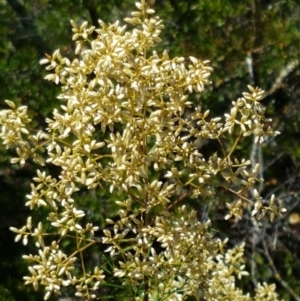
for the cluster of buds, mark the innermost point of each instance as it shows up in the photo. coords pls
(123, 128)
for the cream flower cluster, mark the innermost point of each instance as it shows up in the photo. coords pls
(123, 127)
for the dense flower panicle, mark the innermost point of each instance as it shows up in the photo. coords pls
(123, 127)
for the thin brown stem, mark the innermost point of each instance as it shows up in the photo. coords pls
(237, 194)
(183, 196)
(79, 250)
(276, 273)
(222, 147)
(78, 243)
(136, 199)
(235, 145)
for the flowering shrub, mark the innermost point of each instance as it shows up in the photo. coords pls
(124, 129)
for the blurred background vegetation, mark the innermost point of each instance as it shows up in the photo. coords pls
(253, 42)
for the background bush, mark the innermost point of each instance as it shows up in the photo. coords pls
(247, 42)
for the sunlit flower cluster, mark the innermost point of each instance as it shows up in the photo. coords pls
(123, 128)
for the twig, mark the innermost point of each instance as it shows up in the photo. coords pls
(136, 198)
(256, 155)
(273, 161)
(178, 200)
(272, 265)
(237, 194)
(285, 248)
(282, 75)
(253, 263)
(276, 273)
(280, 186)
